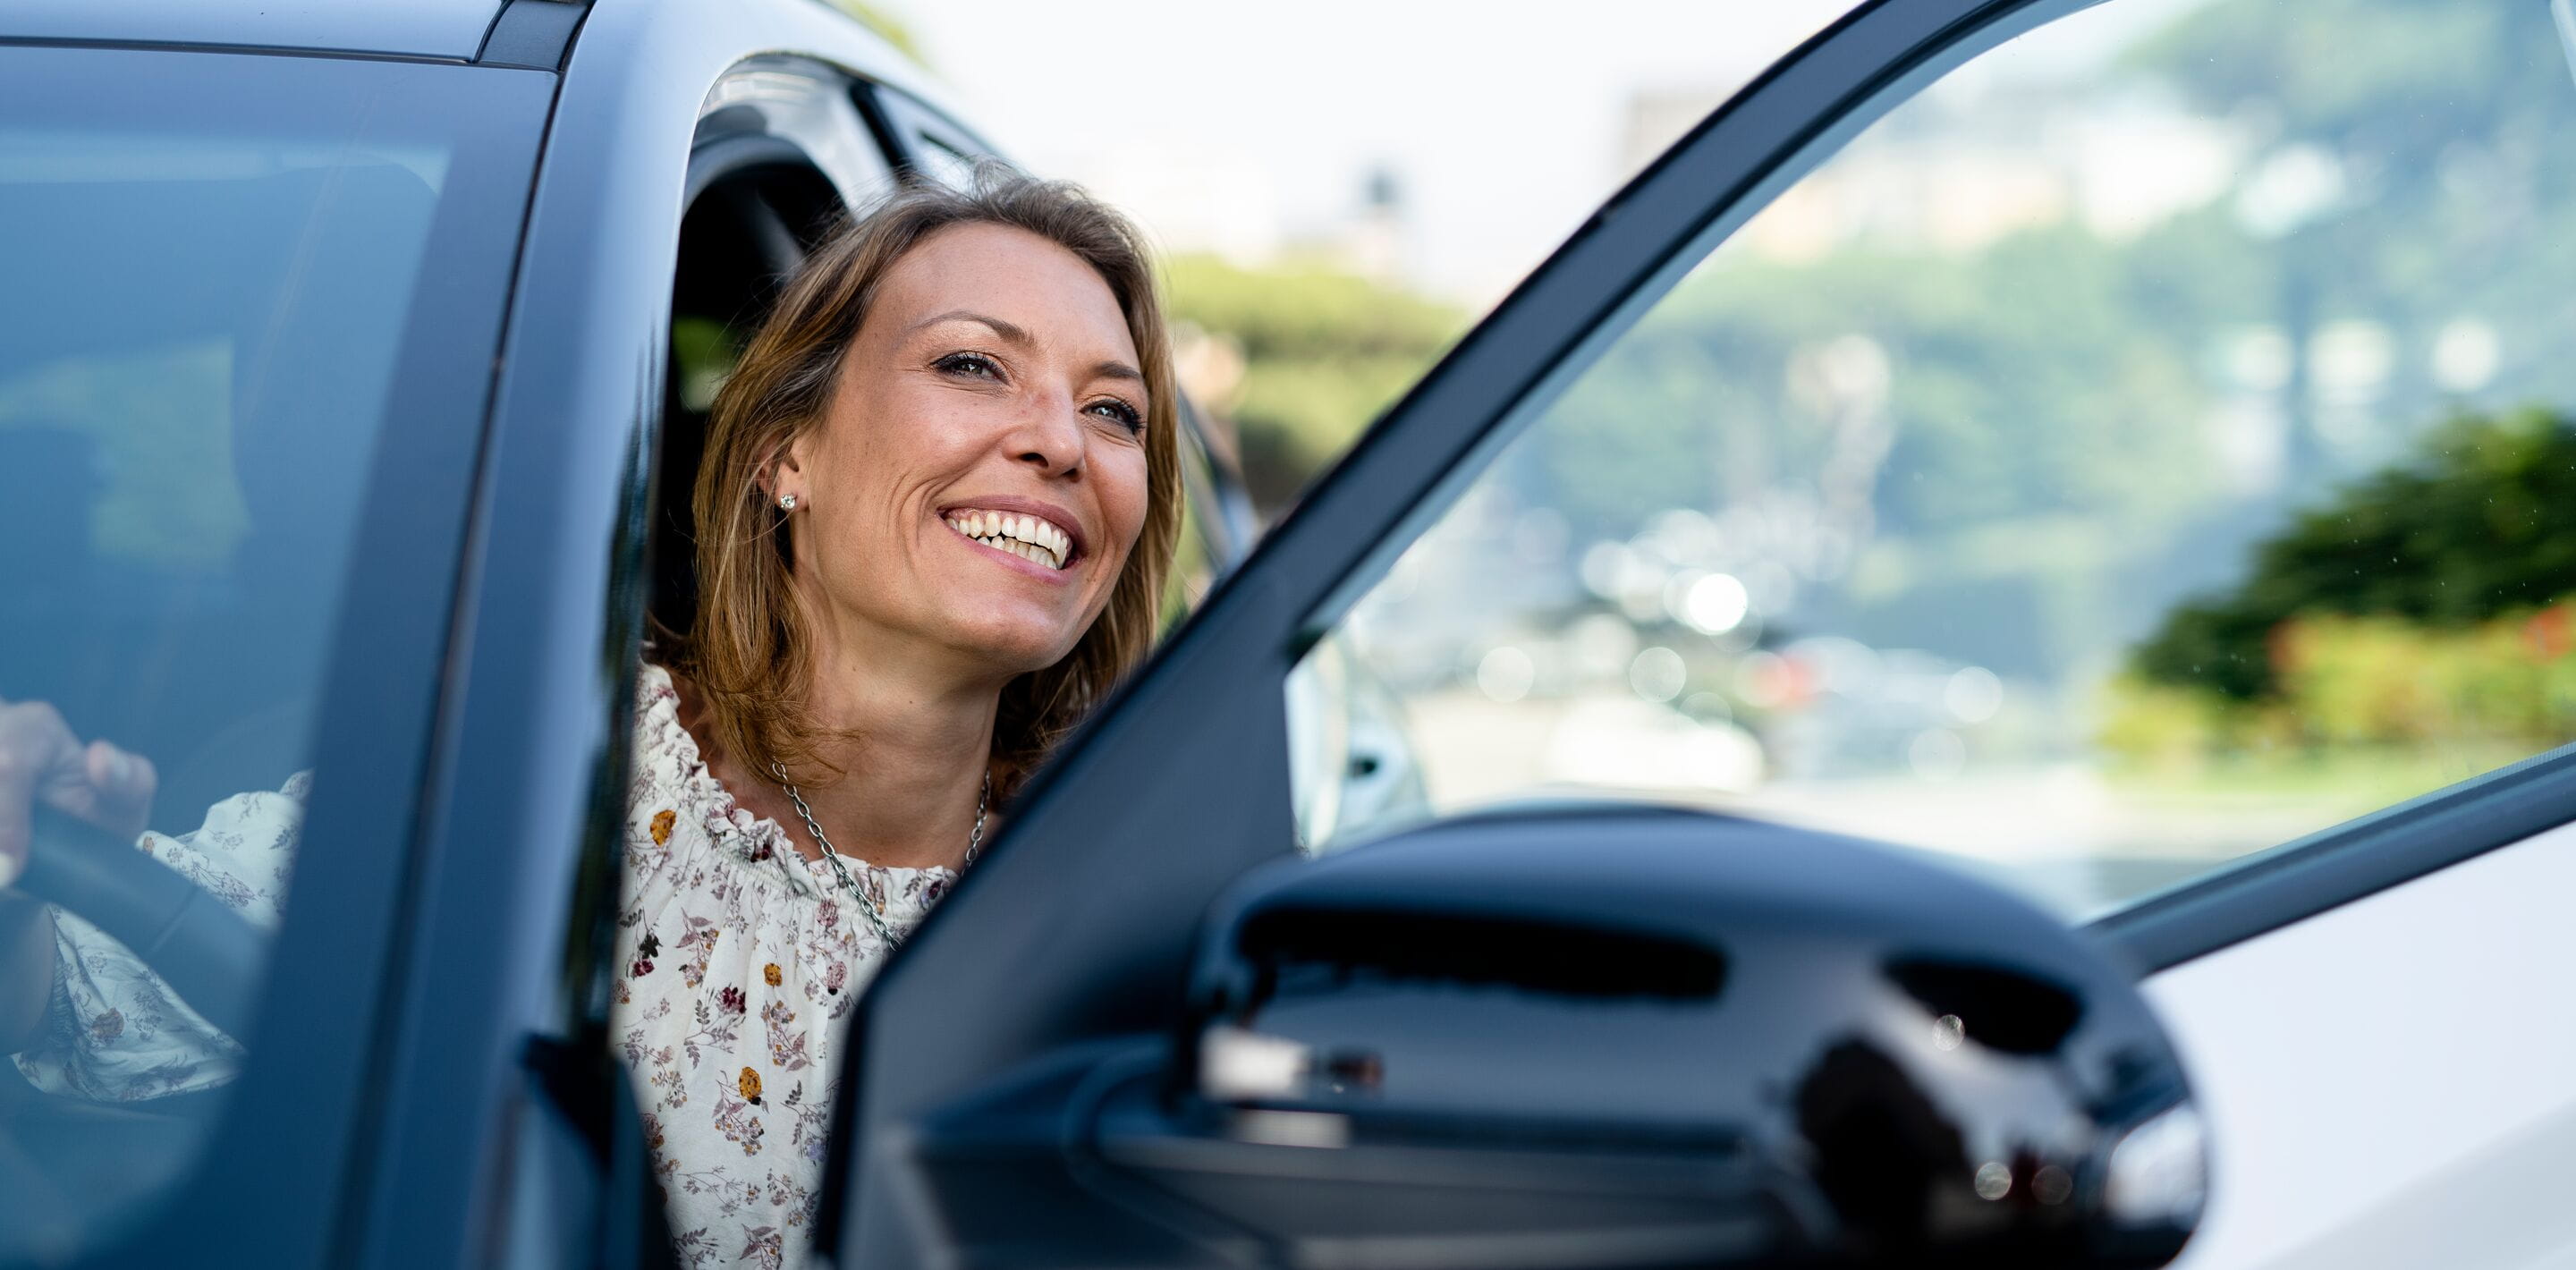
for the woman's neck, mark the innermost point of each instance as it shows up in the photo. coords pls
(912, 746)
(912, 753)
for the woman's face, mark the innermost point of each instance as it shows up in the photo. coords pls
(973, 493)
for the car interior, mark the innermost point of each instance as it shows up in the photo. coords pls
(747, 229)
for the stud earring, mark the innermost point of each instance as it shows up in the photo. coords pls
(787, 502)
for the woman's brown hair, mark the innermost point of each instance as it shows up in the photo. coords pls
(748, 650)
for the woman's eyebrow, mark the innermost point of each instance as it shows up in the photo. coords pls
(1006, 330)
(1111, 369)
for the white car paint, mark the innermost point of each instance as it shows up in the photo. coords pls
(2392, 1083)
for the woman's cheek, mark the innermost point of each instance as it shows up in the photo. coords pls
(1133, 493)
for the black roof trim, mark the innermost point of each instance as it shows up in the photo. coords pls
(533, 34)
(247, 50)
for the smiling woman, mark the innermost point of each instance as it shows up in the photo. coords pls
(1015, 333)
(939, 498)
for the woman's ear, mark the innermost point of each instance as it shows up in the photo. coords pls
(783, 472)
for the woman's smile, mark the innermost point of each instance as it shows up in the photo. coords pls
(1033, 533)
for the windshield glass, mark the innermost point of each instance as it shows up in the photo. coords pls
(2146, 446)
(212, 271)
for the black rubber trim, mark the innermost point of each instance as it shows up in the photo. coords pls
(733, 154)
(208, 46)
(532, 34)
(2326, 870)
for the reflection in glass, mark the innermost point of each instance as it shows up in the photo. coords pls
(210, 266)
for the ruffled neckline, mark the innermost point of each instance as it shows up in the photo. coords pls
(764, 837)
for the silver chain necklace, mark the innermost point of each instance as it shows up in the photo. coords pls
(874, 909)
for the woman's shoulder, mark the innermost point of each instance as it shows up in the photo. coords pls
(661, 725)
(666, 753)
(679, 811)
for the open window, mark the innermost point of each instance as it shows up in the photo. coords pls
(772, 173)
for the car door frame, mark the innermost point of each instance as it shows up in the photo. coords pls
(1194, 750)
(1076, 926)
(506, 937)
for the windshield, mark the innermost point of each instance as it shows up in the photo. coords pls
(220, 272)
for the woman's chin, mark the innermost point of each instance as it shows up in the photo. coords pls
(1016, 648)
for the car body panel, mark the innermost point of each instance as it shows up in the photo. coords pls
(411, 28)
(2387, 1083)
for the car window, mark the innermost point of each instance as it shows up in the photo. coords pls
(212, 267)
(927, 142)
(2146, 445)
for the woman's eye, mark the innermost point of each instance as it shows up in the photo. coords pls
(1122, 412)
(974, 364)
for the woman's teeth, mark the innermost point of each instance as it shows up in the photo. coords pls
(1030, 538)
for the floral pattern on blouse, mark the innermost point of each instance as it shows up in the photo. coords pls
(738, 963)
(114, 1031)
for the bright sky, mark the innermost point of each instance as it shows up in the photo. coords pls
(1234, 126)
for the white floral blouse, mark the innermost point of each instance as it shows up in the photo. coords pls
(738, 963)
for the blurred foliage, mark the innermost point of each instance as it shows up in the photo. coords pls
(2499, 689)
(893, 30)
(145, 443)
(2475, 528)
(1323, 353)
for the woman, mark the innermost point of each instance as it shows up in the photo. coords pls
(939, 497)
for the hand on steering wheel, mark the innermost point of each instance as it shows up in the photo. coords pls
(69, 817)
(42, 763)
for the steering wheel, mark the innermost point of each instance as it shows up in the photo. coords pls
(209, 954)
(67, 1162)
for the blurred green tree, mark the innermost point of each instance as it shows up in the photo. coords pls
(1323, 351)
(2474, 529)
(882, 20)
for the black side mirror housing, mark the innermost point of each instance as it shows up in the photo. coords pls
(1606, 1037)
(1656, 1036)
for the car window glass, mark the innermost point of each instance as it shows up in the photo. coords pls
(943, 162)
(210, 265)
(2147, 445)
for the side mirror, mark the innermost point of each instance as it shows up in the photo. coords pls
(1605, 1038)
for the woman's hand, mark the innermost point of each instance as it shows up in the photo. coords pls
(42, 762)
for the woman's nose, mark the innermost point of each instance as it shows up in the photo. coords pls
(1049, 436)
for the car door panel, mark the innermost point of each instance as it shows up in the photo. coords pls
(2388, 1081)
(1077, 923)
(1179, 781)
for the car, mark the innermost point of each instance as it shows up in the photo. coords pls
(358, 352)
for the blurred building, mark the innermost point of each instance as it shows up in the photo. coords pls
(1999, 159)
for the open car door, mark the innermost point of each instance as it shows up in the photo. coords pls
(1151, 1030)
